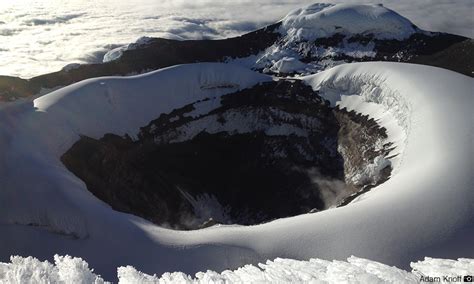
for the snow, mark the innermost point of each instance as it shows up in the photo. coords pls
(204, 107)
(116, 53)
(71, 66)
(425, 208)
(371, 173)
(436, 267)
(324, 20)
(65, 269)
(280, 270)
(82, 33)
(284, 58)
(206, 206)
(302, 27)
(237, 122)
(287, 65)
(372, 97)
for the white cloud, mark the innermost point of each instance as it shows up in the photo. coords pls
(42, 36)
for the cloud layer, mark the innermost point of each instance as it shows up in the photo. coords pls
(37, 37)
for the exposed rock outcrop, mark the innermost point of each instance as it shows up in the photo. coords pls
(270, 50)
(266, 152)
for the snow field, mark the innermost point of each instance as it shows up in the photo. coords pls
(424, 209)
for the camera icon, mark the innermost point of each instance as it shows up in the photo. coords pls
(467, 278)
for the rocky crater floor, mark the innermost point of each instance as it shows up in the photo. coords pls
(271, 151)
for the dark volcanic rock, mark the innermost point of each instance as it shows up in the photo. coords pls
(437, 49)
(12, 88)
(362, 144)
(267, 152)
(157, 53)
(457, 57)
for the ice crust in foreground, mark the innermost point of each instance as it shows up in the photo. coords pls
(425, 208)
(68, 269)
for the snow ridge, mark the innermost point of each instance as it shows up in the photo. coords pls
(47, 127)
(370, 95)
(431, 106)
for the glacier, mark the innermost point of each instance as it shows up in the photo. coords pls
(424, 209)
(419, 211)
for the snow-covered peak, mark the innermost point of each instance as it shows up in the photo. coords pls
(324, 20)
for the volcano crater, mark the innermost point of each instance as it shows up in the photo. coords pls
(270, 151)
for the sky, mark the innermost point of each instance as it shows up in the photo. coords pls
(41, 36)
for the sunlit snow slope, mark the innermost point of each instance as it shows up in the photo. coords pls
(424, 209)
